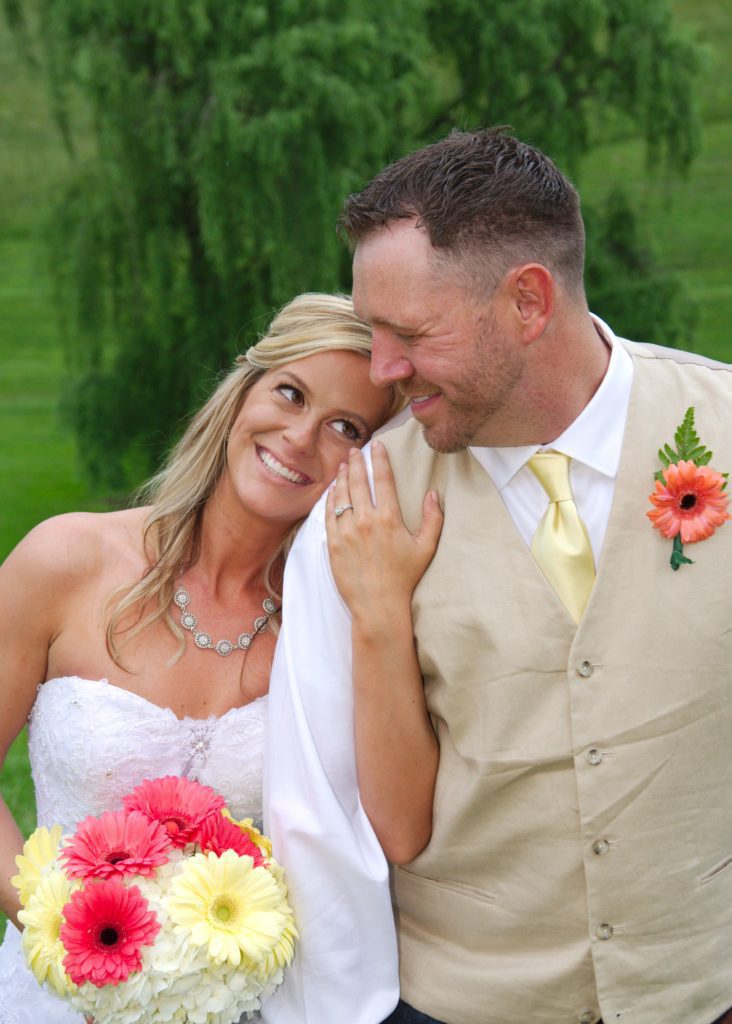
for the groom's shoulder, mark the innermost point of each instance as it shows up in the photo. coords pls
(408, 451)
(677, 356)
(683, 376)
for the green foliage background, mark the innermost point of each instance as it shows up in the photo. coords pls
(223, 137)
(410, 76)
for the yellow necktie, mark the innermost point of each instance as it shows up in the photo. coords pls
(561, 546)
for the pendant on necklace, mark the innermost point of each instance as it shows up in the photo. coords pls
(223, 647)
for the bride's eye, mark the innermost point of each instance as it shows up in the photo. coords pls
(350, 430)
(291, 393)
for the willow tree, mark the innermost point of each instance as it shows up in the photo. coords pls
(220, 138)
(568, 74)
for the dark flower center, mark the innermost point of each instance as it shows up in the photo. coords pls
(116, 856)
(688, 501)
(174, 825)
(109, 936)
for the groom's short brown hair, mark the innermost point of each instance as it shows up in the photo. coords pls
(487, 201)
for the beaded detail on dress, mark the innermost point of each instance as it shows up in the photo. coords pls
(90, 743)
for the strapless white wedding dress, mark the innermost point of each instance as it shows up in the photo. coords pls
(90, 743)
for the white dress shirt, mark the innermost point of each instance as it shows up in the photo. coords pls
(345, 967)
(594, 442)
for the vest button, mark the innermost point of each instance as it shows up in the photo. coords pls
(585, 670)
(605, 931)
(586, 1017)
(594, 756)
(600, 847)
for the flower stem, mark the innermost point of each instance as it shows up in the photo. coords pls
(678, 558)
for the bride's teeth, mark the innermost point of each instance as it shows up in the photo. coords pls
(289, 474)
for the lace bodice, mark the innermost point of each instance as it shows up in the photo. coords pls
(90, 743)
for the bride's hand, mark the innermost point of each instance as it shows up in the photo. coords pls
(376, 560)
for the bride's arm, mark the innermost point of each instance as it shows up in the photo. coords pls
(376, 564)
(32, 589)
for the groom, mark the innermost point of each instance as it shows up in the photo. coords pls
(580, 865)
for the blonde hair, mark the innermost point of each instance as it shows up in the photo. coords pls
(309, 324)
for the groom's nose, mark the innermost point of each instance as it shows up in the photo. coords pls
(389, 361)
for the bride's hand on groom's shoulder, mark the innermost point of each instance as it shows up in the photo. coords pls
(376, 560)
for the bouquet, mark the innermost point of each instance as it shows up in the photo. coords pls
(168, 910)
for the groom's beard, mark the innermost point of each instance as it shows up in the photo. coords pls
(474, 398)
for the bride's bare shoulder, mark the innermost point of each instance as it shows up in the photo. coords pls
(77, 544)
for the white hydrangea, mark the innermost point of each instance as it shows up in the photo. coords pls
(178, 982)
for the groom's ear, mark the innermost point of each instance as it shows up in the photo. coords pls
(530, 290)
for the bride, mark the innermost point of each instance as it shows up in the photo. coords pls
(139, 643)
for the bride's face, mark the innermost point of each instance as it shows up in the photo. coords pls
(295, 428)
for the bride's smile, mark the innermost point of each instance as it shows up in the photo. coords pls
(279, 469)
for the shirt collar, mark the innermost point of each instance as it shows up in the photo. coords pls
(594, 438)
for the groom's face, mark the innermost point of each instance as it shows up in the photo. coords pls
(447, 350)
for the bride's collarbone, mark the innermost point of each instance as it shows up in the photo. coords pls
(194, 683)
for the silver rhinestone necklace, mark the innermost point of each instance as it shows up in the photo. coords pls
(223, 647)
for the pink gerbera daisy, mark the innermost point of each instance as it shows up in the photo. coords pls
(116, 844)
(691, 503)
(180, 805)
(219, 833)
(105, 927)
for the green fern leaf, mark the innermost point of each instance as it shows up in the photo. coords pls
(686, 437)
(688, 446)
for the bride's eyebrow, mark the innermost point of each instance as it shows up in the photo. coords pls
(297, 381)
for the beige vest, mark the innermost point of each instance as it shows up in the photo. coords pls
(581, 859)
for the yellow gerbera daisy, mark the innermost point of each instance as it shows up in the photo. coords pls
(281, 954)
(39, 854)
(42, 919)
(248, 828)
(225, 903)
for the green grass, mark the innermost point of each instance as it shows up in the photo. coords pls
(710, 24)
(39, 475)
(689, 223)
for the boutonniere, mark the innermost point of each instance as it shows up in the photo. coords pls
(689, 499)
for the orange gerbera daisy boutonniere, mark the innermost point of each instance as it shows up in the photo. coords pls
(689, 501)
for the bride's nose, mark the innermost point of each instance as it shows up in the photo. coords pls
(302, 434)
